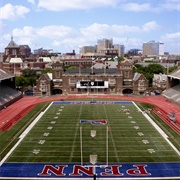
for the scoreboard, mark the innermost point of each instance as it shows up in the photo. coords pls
(92, 84)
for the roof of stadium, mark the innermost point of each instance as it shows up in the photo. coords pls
(92, 71)
(175, 74)
(5, 75)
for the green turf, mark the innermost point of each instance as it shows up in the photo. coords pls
(56, 137)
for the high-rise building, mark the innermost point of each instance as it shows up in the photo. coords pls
(104, 44)
(153, 48)
(104, 47)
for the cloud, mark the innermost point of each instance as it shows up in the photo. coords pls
(62, 5)
(173, 42)
(137, 7)
(101, 30)
(150, 26)
(65, 36)
(13, 12)
(172, 36)
(171, 5)
(31, 1)
(147, 7)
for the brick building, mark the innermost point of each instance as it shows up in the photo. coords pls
(120, 80)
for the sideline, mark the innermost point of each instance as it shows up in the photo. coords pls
(21, 137)
(163, 134)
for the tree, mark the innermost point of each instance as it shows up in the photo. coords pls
(155, 68)
(149, 70)
(171, 69)
(46, 70)
(29, 73)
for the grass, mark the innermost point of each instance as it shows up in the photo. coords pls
(56, 137)
(10, 137)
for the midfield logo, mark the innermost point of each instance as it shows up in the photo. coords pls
(94, 122)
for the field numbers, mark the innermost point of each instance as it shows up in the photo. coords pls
(36, 151)
(133, 122)
(46, 134)
(140, 134)
(41, 141)
(145, 141)
(53, 122)
(151, 151)
(136, 127)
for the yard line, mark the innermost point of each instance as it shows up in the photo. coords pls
(161, 132)
(77, 128)
(111, 136)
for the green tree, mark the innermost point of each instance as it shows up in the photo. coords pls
(155, 68)
(29, 73)
(149, 70)
(46, 70)
(171, 69)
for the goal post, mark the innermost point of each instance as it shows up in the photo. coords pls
(92, 138)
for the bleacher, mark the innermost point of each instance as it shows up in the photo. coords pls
(165, 117)
(173, 93)
(8, 95)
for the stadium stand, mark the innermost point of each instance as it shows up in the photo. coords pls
(8, 92)
(173, 86)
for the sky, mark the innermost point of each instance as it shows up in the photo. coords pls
(67, 25)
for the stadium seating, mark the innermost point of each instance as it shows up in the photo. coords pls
(8, 95)
(173, 93)
(164, 116)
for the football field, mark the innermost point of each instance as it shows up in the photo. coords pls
(69, 132)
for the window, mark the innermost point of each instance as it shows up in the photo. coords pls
(112, 89)
(57, 74)
(126, 75)
(72, 81)
(141, 83)
(112, 81)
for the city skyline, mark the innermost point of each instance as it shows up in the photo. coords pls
(69, 25)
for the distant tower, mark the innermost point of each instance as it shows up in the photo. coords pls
(153, 48)
(12, 49)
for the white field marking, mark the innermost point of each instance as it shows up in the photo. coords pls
(46, 134)
(60, 110)
(21, 137)
(113, 142)
(75, 136)
(151, 151)
(50, 127)
(56, 117)
(36, 151)
(58, 113)
(41, 141)
(161, 132)
(53, 122)
(127, 113)
(133, 122)
(145, 141)
(130, 117)
(136, 127)
(140, 134)
(62, 106)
